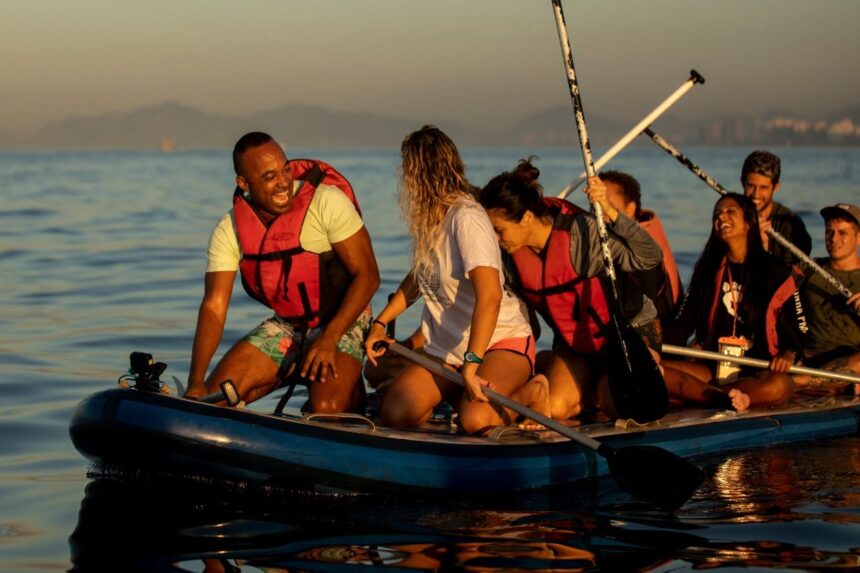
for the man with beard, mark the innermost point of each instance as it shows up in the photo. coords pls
(760, 179)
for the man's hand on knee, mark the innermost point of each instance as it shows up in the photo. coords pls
(319, 362)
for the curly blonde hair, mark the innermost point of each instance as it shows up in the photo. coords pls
(432, 178)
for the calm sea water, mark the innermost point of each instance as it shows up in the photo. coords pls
(102, 253)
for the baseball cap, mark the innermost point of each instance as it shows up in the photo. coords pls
(842, 210)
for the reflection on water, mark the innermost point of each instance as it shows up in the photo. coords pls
(145, 523)
(786, 483)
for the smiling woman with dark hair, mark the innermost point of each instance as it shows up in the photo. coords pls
(741, 297)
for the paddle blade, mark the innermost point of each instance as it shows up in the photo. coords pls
(635, 382)
(655, 475)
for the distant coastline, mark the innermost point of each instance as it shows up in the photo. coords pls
(185, 127)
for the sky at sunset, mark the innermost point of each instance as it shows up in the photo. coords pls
(480, 62)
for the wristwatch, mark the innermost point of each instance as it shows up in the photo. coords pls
(472, 358)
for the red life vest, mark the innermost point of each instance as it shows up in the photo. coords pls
(574, 306)
(649, 221)
(303, 288)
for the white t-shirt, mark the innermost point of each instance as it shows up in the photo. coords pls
(331, 218)
(468, 241)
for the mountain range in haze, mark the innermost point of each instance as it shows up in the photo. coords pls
(171, 124)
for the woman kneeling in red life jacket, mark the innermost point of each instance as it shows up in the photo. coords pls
(553, 263)
(739, 297)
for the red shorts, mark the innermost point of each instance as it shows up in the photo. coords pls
(524, 345)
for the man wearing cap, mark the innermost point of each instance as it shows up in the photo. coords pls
(834, 323)
(760, 179)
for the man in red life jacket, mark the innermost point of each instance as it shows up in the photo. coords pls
(298, 240)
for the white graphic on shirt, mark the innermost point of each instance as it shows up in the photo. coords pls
(430, 283)
(732, 296)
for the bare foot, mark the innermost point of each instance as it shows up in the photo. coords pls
(740, 401)
(538, 392)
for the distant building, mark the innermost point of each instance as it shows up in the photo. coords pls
(779, 130)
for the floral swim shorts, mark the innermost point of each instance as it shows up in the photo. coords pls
(284, 344)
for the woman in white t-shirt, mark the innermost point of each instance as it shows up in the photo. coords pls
(470, 321)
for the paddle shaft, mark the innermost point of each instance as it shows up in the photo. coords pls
(584, 143)
(496, 398)
(695, 78)
(585, 146)
(700, 173)
(756, 362)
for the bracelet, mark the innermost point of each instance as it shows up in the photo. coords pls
(380, 323)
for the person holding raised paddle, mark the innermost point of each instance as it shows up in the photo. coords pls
(741, 300)
(470, 322)
(834, 323)
(661, 284)
(760, 178)
(555, 265)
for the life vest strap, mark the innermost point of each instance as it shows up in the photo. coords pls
(557, 289)
(274, 255)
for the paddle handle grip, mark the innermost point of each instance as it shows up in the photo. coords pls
(495, 397)
(695, 78)
(756, 362)
(228, 393)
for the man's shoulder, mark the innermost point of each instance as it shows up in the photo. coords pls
(333, 214)
(781, 211)
(227, 222)
(331, 197)
(325, 190)
(810, 274)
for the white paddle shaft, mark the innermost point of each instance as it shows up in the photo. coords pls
(695, 78)
(756, 362)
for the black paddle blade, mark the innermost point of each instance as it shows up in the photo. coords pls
(655, 475)
(635, 383)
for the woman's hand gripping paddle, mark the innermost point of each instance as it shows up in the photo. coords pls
(649, 473)
(635, 383)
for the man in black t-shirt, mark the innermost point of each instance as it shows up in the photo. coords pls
(760, 179)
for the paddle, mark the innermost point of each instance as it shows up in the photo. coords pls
(700, 173)
(695, 78)
(228, 393)
(635, 382)
(649, 473)
(756, 362)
